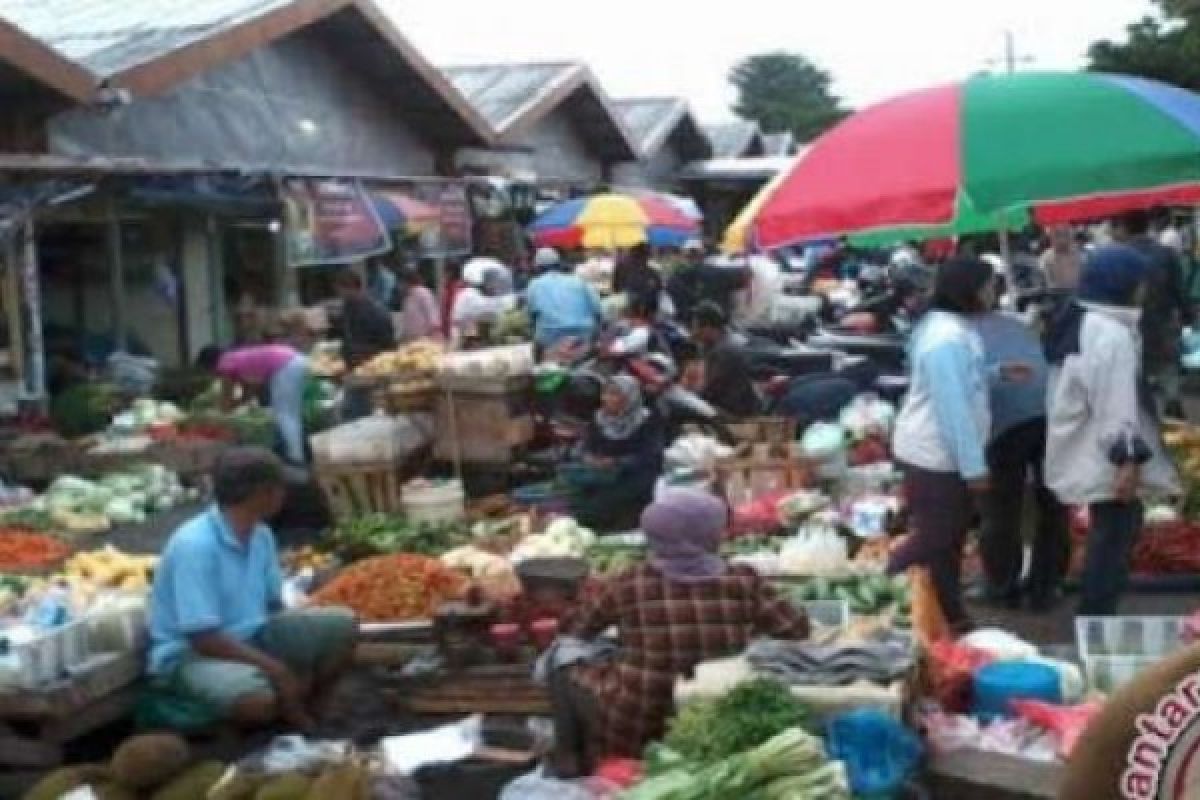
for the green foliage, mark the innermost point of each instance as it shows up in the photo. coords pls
(84, 409)
(1165, 46)
(707, 730)
(786, 92)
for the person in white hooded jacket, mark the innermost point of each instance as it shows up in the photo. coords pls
(1103, 447)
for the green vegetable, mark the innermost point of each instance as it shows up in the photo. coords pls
(29, 518)
(380, 534)
(746, 716)
(791, 753)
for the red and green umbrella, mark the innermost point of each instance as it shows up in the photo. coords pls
(992, 152)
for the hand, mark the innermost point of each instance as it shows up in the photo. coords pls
(1016, 372)
(980, 485)
(290, 693)
(1125, 483)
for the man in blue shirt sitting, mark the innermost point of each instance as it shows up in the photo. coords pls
(562, 305)
(221, 644)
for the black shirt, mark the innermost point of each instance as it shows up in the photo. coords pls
(367, 330)
(692, 285)
(727, 381)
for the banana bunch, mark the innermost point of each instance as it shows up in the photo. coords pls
(109, 568)
(422, 356)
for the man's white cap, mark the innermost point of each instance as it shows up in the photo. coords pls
(693, 246)
(546, 257)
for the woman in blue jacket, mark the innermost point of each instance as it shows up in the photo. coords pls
(943, 428)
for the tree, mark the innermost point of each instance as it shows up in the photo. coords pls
(1165, 46)
(786, 92)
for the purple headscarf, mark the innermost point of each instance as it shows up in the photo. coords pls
(683, 528)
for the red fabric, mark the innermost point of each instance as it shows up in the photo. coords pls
(894, 164)
(1090, 208)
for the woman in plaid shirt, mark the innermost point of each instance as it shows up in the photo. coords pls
(684, 606)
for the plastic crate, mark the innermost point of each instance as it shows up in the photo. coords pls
(118, 630)
(1114, 649)
(46, 658)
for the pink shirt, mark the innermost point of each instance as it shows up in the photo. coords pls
(256, 364)
(421, 318)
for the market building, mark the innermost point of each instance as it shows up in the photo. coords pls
(169, 141)
(556, 126)
(668, 137)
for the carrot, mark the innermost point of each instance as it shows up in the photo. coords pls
(22, 549)
(393, 587)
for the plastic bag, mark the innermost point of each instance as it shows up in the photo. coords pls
(951, 668)
(867, 415)
(946, 733)
(1067, 723)
(880, 754)
(1000, 645)
(760, 515)
(537, 786)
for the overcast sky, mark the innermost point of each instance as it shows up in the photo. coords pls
(873, 48)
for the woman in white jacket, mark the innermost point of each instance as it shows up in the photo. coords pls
(1103, 447)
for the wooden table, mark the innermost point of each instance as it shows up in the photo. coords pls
(496, 689)
(103, 692)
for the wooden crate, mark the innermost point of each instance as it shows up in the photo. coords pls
(493, 689)
(360, 489)
(765, 430)
(741, 478)
(103, 692)
(482, 428)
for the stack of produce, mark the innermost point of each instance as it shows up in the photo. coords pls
(1184, 443)
(145, 415)
(23, 550)
(162, 767)
(790, 766)
(885, 658)
(606, 557)
(563, 538)
(420, 358)
(393, 588)
(381, 533)
(109, 568)
(709, 729)
(863, 594)
(492, 573)
(83, 506)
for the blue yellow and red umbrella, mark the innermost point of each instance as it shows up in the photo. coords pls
(613, 221)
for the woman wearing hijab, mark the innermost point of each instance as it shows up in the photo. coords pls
(685, 605)
(1103, 447)
(942, 430)
(623, 448)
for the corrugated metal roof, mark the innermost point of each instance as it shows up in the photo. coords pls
(109, 36)
(731, 139)
(646, 117)
(503, 92)
(736, 169)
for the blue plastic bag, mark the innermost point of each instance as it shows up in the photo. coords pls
(879, 752)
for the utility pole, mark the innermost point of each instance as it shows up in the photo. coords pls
(1012, 60)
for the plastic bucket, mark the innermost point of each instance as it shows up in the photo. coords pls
(446, 502)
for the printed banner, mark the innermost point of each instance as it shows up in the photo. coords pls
(329, 221)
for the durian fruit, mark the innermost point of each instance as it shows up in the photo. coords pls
(193, 783)
(65, 779)
(148, 761)
(347, 780)
(290, 786)
(236, 785)
(112, 790)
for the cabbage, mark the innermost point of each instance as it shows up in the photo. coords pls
(121, 510)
